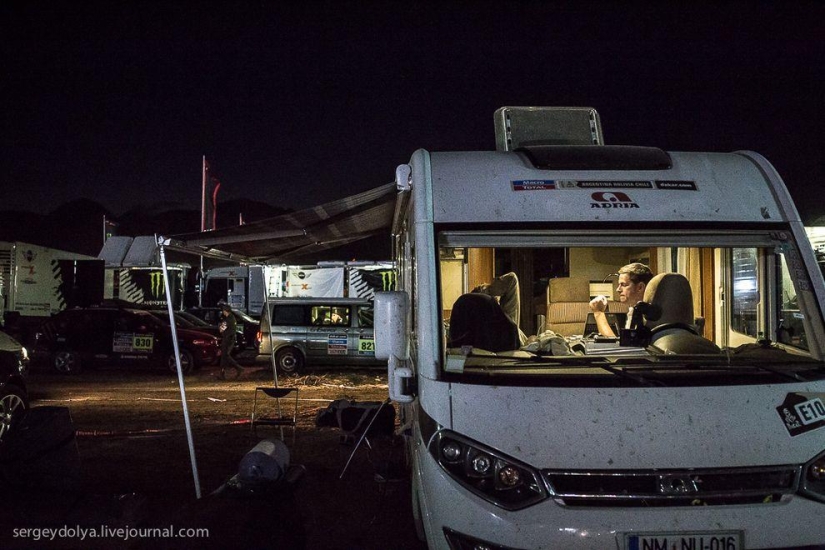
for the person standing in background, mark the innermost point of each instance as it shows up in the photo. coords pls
(228, 327)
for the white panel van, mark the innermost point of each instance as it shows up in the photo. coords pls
(317, 331)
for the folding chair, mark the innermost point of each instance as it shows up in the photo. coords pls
(364, 431)
(276, 415)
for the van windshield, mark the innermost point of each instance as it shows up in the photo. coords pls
(537, 304)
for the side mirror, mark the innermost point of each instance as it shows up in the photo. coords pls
(391, 331)
(392, 341)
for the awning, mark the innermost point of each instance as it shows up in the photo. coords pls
(298, 236)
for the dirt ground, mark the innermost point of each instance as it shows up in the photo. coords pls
(135, 471)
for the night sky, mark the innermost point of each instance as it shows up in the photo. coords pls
(297, 103)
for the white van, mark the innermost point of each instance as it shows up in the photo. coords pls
(317, 331)
(571, 441)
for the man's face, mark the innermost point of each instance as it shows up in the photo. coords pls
(630, 293)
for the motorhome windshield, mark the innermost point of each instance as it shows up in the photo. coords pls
(528, 303)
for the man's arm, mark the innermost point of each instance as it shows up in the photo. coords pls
(598, 306)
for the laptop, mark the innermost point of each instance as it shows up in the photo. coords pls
(615, 320)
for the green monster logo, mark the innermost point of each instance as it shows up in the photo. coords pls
(387, 280)
(156, 284)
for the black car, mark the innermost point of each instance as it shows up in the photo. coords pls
(247, 339)
(77, 337)
(14, 399)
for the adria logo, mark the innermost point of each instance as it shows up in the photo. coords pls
(612, 199)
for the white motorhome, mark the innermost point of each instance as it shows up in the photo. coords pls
(572, 441)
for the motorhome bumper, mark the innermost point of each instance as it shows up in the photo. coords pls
(449, 507)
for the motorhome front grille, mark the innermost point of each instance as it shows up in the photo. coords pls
(673, 487)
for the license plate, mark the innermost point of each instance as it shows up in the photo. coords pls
(711, 540)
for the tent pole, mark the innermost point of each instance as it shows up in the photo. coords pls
(268, 312)
(180, 372)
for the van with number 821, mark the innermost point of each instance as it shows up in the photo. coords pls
(317, 331)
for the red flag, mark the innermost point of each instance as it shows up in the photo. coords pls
(209, 206)
(212, 202)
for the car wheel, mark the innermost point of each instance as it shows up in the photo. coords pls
(290, 361)
(13, 405)
(66, 362)
(187, 362)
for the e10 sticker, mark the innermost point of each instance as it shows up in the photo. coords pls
(802, 413)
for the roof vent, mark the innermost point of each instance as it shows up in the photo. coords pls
(524, 126)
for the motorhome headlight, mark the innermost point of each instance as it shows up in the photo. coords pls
(488, 473)
(813, 479)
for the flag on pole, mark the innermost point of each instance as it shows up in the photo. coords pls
(109, 228)
(209, 203)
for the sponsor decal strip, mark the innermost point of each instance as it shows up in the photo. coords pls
(544, 185)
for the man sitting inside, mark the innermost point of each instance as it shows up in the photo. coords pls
(633, 279)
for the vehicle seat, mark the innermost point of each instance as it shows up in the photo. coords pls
(478, 320)
(674, 331)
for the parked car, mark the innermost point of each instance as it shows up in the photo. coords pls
(186, 320)
(329, 331)
(247, 338)
(78, 337)
(14, 399)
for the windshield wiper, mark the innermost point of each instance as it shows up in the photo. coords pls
(575, 362)
(722, 362)
(786, 374)
(624, 374)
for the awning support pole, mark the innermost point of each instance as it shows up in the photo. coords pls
(180, 372)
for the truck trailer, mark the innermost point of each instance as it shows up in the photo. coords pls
(38, 281)
(243, 286)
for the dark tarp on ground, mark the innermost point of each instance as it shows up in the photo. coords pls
(299, 236)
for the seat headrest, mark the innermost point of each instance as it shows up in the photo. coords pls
(478, 320)
(670, 292)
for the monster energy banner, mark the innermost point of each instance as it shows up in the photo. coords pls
(364, 283)
(326, 282)
(145, 286)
